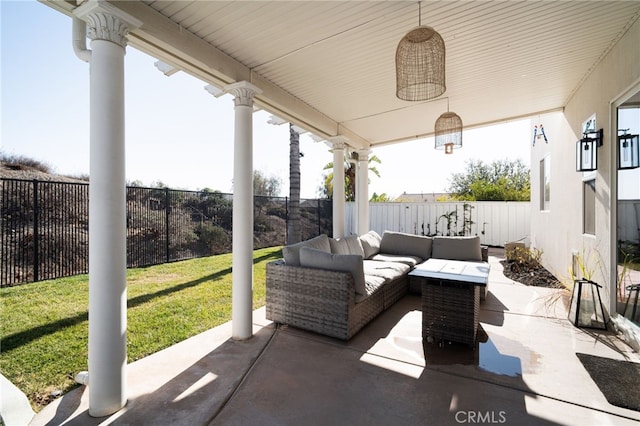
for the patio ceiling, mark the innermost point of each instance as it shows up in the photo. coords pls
(329, 67)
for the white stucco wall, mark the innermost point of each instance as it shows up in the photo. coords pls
(558, 231)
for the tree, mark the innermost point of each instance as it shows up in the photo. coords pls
(294, 227)
(501, 180)
(326, 190)
(265, 186)
(380, 198)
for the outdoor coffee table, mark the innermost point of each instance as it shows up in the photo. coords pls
(450, 298)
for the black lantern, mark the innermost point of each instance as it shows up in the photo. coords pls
(586, 306)
(628, 152)
(631, 310)
(587, 151)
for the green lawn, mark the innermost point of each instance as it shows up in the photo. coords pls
(44, 325)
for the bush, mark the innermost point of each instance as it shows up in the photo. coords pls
(524, 259)
(213, 238)
(20, 162)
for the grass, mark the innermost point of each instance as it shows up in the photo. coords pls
(44, 325)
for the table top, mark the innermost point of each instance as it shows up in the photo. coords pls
(453, 270)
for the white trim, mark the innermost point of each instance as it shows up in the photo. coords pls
(629, 330)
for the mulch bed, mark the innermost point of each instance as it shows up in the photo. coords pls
(528, 274)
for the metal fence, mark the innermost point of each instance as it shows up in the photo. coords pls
(44, 226)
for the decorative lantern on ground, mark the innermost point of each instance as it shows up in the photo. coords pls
(585, 309)
(631, 311)
(628, 152)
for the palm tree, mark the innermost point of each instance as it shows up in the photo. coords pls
(349, 176)
(294, 230)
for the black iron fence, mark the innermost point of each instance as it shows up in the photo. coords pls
(44, 226)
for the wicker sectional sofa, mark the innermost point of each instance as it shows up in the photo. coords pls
(337, 286)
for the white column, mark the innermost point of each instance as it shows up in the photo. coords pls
(362, 191)
(242, 265)
(108, 27)
(338, 188)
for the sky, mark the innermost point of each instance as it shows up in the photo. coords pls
(179, 134)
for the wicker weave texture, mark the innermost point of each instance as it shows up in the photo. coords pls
(420, 65)
(450, 310)
(448, 130)
(318, 300)
(395, 290)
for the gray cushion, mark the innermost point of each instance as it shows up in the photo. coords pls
(372, 284)
(291, 253)
(370, 244)
(457, 248)
(408, 244)
(347, 245)
(408, 260)
(387, 270)
(312, 258)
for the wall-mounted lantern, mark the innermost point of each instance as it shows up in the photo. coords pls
(587, 151)
(628, 152)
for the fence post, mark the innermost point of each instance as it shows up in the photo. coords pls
(36, 230)
(167, 210)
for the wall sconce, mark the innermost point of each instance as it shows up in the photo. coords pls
(587, 151)
(585, 308)
(628, 152)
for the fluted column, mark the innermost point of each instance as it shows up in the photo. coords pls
(242, 272)
(338, 187)
(362, 191)
(108, 27)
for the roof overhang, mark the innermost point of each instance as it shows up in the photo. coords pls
(329, 67)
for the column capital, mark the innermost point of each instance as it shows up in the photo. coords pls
(243, 93)
(363, 154)
(107, 22)
(338, 142)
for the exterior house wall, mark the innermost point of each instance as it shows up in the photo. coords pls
(558, 232)
(555, 230)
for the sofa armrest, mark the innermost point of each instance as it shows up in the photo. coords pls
(313, 299)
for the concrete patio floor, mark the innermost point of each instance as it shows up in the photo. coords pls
(524, 371)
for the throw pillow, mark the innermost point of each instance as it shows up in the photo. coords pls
(352, 263)
(370, 244)
(457, 248)
(346, 245)
(407, 244)
(291, 253)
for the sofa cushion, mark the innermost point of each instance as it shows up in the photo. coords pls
(370, 244)
(408, 260)
(371, 285)
(407, 244)
(457, 248)
(346, 245)
(291, 253)
(387, 270)
(318, 259)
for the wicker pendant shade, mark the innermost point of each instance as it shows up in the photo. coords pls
(448, 132)
(420, 65)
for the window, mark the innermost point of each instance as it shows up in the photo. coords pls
(545, 183)
(589, 206)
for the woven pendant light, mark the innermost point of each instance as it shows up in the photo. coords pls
(420, 60)
(448, 132)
